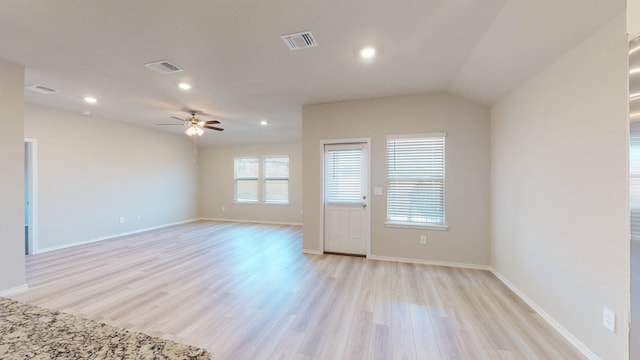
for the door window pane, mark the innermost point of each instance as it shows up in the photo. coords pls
(344, 176)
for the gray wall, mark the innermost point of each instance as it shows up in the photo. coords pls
(92, 171)
(467, 171)
(559, 189)
(217, 184)
(12, 271)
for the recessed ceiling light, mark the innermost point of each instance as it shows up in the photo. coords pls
(367, 53)
(90, 100)
(264, 123)
(184, 86)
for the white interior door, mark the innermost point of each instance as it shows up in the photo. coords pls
(346, 211)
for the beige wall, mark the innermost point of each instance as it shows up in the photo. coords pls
(559, 189)
(92, 171)
(12, 271)
(217, 184)
(467, 167)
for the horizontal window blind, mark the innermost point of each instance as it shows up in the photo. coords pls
(246, 179)
(276, 180)
(415, 180)
(246, 190)
(344, 175)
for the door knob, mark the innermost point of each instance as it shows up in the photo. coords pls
(364, 205)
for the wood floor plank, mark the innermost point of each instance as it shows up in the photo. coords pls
(246, 291)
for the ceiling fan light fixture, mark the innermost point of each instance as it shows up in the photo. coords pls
(184, 86)
(194, 130)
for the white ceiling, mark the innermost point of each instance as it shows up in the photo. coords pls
(242, 72)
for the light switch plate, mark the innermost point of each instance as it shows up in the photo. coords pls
(609, 319)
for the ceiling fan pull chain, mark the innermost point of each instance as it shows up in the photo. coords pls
(195, 148)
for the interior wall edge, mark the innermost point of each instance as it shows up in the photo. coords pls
(584, 349)
(429, 262)
(108, 237)
(14, 290)
(252, 221)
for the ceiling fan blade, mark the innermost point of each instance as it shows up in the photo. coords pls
(212, 122)
(194, 112)
(177, 118)
(213, 128)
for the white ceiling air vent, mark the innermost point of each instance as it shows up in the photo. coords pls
(42, 89)
(163, 67)
(299, 40)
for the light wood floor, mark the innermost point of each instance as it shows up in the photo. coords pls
(246, 291)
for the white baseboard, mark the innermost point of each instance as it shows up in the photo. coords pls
(550, 320)
(14, 290)
(311, 251)
(429, 262)
(59, 247)
(253, 221)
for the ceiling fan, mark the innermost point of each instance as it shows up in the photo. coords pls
(195, 126)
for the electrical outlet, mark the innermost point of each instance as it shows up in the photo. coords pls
(139, 217)
(423, 239)
(609, 319)
(121, 219)
(222, 207)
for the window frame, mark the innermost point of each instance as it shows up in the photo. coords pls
(236, 178)
(414, 224)
(265, 179)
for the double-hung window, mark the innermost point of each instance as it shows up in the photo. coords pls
(415, 180)
(246, 172)
(276, 179)
(266, 180)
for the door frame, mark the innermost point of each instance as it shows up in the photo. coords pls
(32, 164)
(367, 147)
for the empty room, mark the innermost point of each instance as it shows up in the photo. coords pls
(341, 179)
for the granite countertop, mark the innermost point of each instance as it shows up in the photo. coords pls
(30, 332)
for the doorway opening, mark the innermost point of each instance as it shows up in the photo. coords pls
(30, 192)
(346, 212)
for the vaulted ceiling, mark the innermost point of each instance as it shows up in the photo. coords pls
(242, 73)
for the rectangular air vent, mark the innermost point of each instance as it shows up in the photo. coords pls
(42, 89)
(163, 67)
(299, 40)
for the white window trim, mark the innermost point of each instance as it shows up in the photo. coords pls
(415, 226)
(264, 181)
(398, 224)
(261, 180)
(235, 182)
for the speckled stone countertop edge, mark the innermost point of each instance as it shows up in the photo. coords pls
(32, 332)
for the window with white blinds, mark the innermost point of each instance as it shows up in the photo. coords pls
(246, 172)
(415, 180)
(344, 175)
(276, 179)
